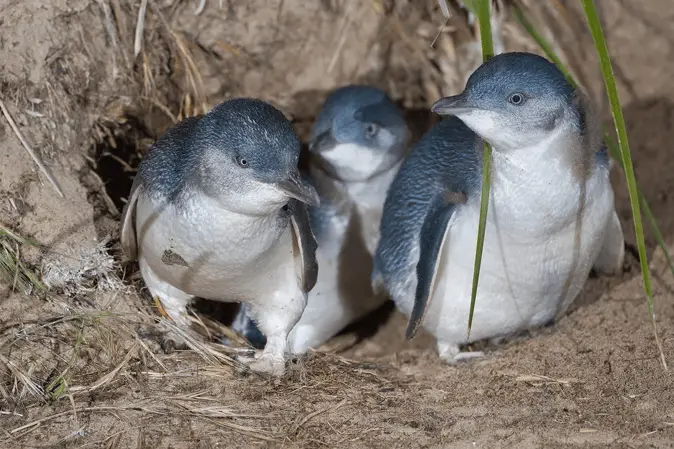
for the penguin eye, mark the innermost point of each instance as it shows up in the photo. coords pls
(242, 161)
(516, 99)
(371, 130)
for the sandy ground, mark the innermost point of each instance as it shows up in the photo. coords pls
(78, 368)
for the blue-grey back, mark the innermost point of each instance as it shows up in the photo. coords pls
(165, 168)
(446, 159)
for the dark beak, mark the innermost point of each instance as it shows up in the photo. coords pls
(298, 188)
(323, 142)
(453, 105)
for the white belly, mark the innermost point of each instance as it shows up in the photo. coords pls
(343, 292)
(212, 253)
(532, 267)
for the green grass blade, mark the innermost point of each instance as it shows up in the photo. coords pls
(656, 231)
(12, 270)
(623, 144)
(59, 385)
(484, 18)
(482, 225)
(483, 13)
(612, 147)
(13, 235)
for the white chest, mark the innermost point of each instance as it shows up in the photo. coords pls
(368, 200)
(207, 251)
(544, 231)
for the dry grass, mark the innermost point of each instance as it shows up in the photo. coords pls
(101, 353)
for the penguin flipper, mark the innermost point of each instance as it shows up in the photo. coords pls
(432, 240)
(612, 254)
(304, 245)
(128, 225)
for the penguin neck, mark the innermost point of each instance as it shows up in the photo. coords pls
(365, 194)
(563, 152)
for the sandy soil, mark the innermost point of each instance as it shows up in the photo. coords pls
(77, 368)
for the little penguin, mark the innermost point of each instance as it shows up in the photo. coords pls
(218, 210)
(356, 146)
(551, 215)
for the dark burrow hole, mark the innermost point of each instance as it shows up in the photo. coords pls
(115, 159)
(117, 155)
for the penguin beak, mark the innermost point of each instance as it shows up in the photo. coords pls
(453, 105)
(295, 187)
(322, 142)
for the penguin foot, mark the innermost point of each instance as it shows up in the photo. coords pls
(161, 338)
(498, 340)
(272, 360)
(450, 354)
(170, 342)
(265, 364)
(269, 364)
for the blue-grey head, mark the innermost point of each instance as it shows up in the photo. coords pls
(359, 132)
(515, 101)
(249, 157)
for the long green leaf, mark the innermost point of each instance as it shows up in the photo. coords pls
(623, 144)
(484, 19)
(612, 147)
